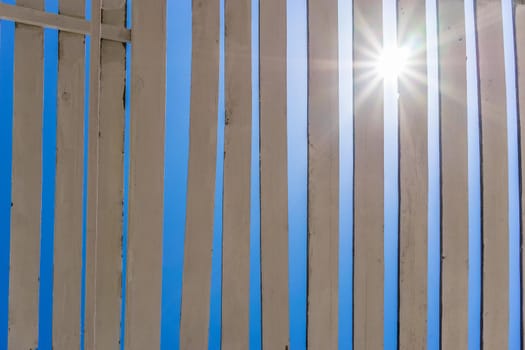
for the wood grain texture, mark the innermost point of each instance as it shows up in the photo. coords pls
(454, 174)
(519, 32)
(92, 173)
(368, 177)
(494, 167)
(413, 176)
(323, 175)
(146, 190)
(195, 313)
(26, 185)
(104, 256)
(274, 176)
(65, 23)
(237, 160)
(67, 263)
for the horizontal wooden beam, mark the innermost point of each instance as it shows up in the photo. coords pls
(65, 23)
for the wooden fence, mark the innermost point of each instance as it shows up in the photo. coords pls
(147, 37)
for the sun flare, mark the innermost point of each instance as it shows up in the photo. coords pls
(392, 62)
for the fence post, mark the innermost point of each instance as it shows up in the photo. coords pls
(494, 168)
(413, 176)
(237, 161)
(323, 175)
(26, 184)
(105, 187)
(198, 240)
(67, 260)
(368, 177)
(454, 174)
(274, 176)
(146, 182)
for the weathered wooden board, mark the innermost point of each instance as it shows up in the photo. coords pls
(237, 160)
(65, 23)
(26, 185)
(494, 167)
(323, 175)
(146, 182)
(454, 174)
(67, 262)
(195, 312)
(274, 176)
(92, 174)
(104, 259)
(519, 32)
(413, 176)
(368, 177)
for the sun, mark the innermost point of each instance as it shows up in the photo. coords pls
(392, 62)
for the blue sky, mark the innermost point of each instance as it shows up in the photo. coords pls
(176, 157)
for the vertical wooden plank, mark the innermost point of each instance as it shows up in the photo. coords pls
(195, 312)
(92, 173)
(26, 185)
(274, 175)
(368, 177)
(148, 85)
(519, 32)
(494, 167)
(67, 263)
(104, 263)
(454, 174)
(237, 159)
(323, 175)
(413, 176)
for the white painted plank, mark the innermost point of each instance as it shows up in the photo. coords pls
(323, 175)
(26, 185)
(413, 176)
(519, 32)
(237, 160)
(195, 313)
(494, 167)
(368, 177)
(273, 175)
(148, 84)
(454, 174)
(67, 262)
(104, 263)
